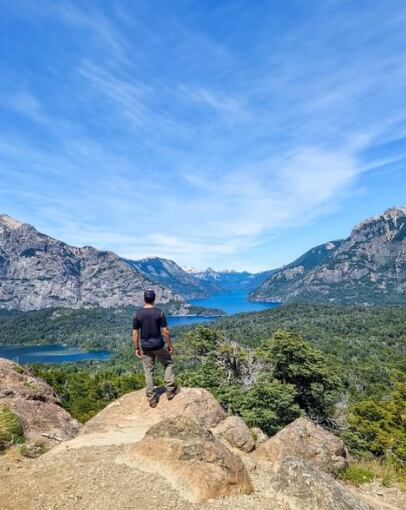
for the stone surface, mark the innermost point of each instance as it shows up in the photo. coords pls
(37, 271)
(304, 487)
(189, 456)
(306, 440)
(43, 420)
(128, 418)
(236, 432)
(259, 436)
(367, 267)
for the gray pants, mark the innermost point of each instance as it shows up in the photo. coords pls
(148, 362)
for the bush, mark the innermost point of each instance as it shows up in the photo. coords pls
(356, 475)
(11, 431)
(379, 427)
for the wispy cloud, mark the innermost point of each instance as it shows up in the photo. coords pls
(165, 135)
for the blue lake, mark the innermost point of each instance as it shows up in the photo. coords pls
(231, 303)
(52, 353)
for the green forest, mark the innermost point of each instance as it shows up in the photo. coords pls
(343, 366)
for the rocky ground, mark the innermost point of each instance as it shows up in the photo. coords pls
(90, 478)
(101, 469)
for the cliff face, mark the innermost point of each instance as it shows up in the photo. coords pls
(367, 267)
(37, 271)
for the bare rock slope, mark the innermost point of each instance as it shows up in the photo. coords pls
(132, 456)
(44, 422)
(37, 271)
(367, 267)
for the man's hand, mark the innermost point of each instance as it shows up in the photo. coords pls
(138, 353)
(170, 349)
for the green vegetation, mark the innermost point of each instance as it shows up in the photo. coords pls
(344, 366)
(86, 388)
(10, 428)
(91, 329)
(357, 475)
(379, 427)
(269, 386)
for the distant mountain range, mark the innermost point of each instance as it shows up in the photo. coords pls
(230, 280)
(166, 272)
(37, 271)
(369, 267)
(193, 284)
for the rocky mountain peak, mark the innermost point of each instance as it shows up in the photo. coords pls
(9, 222)
(38, 271)
(368, 267)
(393, 217)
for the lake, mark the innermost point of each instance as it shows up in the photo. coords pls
(231, 303)
(52, 353)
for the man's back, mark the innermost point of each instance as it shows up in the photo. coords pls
(150, 320)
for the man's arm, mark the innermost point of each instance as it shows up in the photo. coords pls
(167, 337)
(136, 340)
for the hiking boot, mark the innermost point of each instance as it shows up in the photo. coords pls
(153, 402)
(171, 394)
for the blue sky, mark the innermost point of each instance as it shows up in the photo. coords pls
(233, 134)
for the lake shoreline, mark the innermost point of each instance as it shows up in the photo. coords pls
(86, 335)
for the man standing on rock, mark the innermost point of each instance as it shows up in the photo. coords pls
(156, 344)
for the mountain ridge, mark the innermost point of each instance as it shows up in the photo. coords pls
(38, 271)
(368, 267)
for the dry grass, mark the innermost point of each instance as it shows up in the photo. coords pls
(386, 470)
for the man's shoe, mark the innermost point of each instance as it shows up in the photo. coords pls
(171, 394)
(153, 402)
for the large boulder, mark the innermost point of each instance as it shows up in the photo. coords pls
(131, 416)
(301, 486)
(189, 456)
(44, 422)
(235, 431)
(307, 440)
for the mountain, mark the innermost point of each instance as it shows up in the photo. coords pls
(230, 280)
(166, 272)
(37, 271)
(369, 267)
(193, 284)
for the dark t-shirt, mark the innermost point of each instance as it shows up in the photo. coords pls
(150, 321)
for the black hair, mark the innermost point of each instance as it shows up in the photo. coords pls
(149, 296)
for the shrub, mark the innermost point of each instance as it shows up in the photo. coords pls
(356, 475)
(10, 427)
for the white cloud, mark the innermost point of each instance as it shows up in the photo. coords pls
(201, 154)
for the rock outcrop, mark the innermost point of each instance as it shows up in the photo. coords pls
(306, 440)
(131, 455)
(37, 271)
(369, 267)
(235, 431)
(195, 462)
(303, 487)
(44, 422)
(131, 416)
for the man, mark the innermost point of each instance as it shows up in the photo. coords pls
(155, 345)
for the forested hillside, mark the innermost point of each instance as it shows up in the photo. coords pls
(344, 366)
